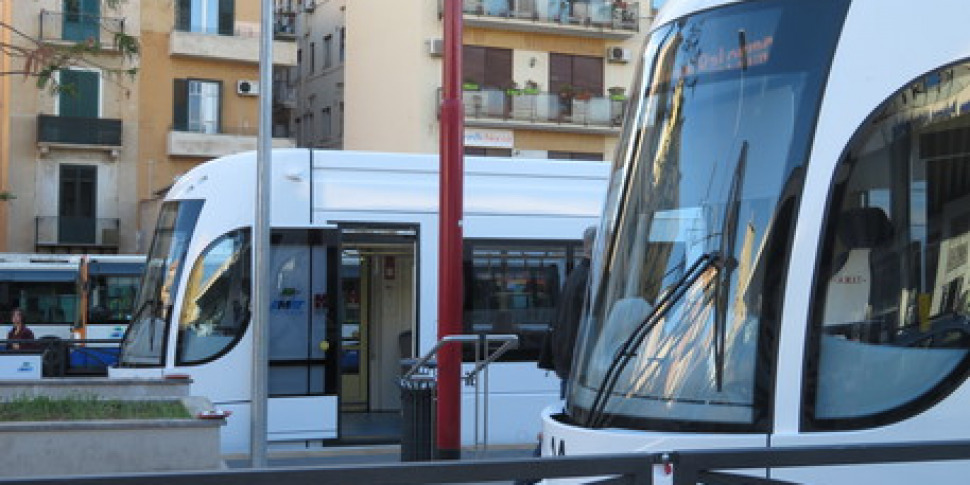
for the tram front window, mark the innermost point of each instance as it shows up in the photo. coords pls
(144, 341)
(699, 217)
(892, 325)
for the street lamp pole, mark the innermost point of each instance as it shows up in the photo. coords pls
(448, 429)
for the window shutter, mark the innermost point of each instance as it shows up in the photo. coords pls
(180, 101)
(227, 17)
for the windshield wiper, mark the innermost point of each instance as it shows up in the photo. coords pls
(729, 229)
(627, 351)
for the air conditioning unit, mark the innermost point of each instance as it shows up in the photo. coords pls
(246, 87)
(436, 47)
(617, 54)
(309, 5)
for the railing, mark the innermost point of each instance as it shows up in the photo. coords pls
(284, 94)
(77, 27)
(603, 14)
(76, 231)
(209, 129)
(68, 357)
(423, 369)
(284, 24)
(543, 107)
(78, 131)
(680, 468)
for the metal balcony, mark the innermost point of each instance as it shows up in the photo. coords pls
(596, 18)
(76, 232)
(573, 112)
(69, 130)
(76, 27)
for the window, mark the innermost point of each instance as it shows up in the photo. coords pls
(215, 309)
(343, 44)
(82, 20)
(892, 318)
(313, 56)
(573, 78)
(198, 106)
(488, 152)
(327, 50)
(513, 288)
(588, 156)
(205, 16)
(488, 67)
(325, 121)
(77, 210)
(80, 96)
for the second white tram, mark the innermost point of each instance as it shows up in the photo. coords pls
(784, 251)
(353, 289)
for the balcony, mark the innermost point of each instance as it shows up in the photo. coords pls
(197, 144)
(84, 233)
(63, 27)
(284, 25)
(606, 19)
(514, 108)
(69, 131)
(243, 46)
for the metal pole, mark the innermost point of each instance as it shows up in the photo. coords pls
(448, 429)
(260, 326)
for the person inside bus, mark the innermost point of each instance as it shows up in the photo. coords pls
(19, 331)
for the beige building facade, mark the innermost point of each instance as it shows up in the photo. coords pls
(69, 158)
(543, 78)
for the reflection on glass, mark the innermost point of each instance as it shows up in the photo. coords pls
(892, 322)
(144, 341)
(707, 165)
(215, 309)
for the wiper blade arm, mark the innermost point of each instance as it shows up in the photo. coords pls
(729, 229)
(626, 351)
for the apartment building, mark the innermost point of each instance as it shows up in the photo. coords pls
(542, 78)
(200, 89)
(68, 158)
(87, 166)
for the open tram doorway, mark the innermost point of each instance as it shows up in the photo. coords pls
(378, 283)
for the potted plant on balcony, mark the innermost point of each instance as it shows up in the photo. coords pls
(566, 92)
(531, 87)
(513, 89)
(470, 85)
(582, 94)
(617, 93)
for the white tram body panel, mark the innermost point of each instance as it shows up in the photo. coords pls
(384, 207)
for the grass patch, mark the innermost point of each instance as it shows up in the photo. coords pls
(88, 408)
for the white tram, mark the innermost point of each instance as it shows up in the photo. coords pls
(354, 248)
(784, 259)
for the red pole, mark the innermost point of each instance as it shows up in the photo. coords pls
(448, 430)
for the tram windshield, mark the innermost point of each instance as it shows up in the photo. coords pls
(144, 341)
(685, 281)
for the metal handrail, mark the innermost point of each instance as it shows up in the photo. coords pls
(509, 341)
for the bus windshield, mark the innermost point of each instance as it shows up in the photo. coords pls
(708, 171)
(144, 342)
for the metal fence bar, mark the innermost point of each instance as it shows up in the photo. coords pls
(634, 469)
(689, 466)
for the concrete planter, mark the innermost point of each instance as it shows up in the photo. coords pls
(107, 446)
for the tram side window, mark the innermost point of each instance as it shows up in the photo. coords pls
(215, 308)
(892, 316)
(513, 288)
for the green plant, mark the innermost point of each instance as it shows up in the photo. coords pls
(43, 408)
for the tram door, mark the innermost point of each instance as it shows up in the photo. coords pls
(303, 335)
(378, 287)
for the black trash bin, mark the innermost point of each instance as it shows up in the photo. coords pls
(418, 410)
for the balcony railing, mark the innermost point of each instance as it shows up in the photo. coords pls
(572, 109)
(76, 231)
(71, 130)
(600, 14)
(76, 27)
(284, 25)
